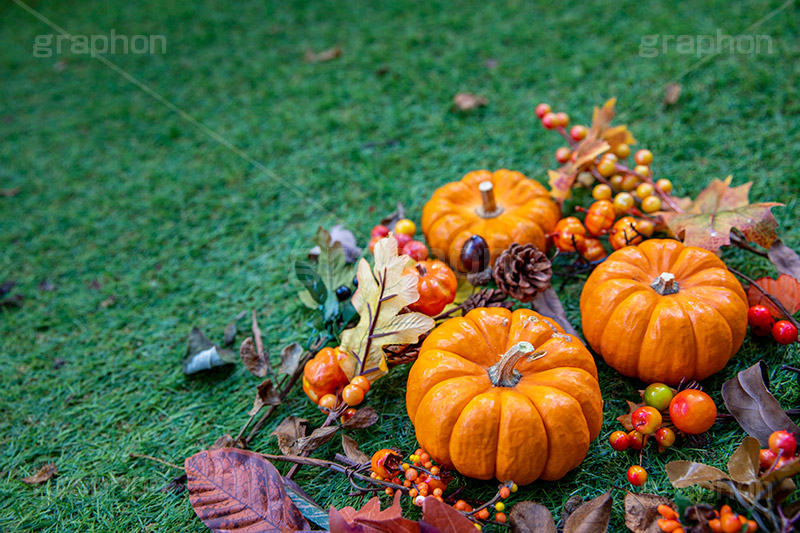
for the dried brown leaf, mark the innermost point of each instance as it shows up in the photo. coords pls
(641, 511)
(363, 418)
(225, 441)
(353, 451)
(531, 517)
(45, 473)
(684, 474)
(256, 363)
(719, 208)
(672, 92)
(290, 358)
(548, 304)
(591, 517)
(469, 101)
(748, 399)
(786, 289)
(785, 259)
(318, 437)
(288, 432)
(235, 490)
(320, 57)
(743, 464)
(265, 395)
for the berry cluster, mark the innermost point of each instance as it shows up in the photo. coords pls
(572, 235)
(782, 449)
(352, 394)
(404, 231)
(722, 521)
(763, 324)
(663, 413)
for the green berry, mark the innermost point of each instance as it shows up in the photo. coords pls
(658, 395)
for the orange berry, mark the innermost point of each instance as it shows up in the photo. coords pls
(752, 527)
(406, 227)
(693, 411)
(606, 167)
(643, 157)
(407, 484)
(435, 470)
(413, 493)
(361, 382)
(428, 465)
(437, 492)
(411, 474)
(424, 457)
(419, 451)
(725, 509)
(667, 512)
(730, 523)
(623, 150)
(352, 395)
(715, 525)
(389, 491)
(500, 517)
(328, 401)
(461, 505)
(668, 526)
(483, 514)
(505, 492)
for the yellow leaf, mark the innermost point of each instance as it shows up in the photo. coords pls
(383, 292)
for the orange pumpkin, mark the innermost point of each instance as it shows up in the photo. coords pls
(323, 375)
(485, 401)
(503, 207)
(436, 284)
(662, 312)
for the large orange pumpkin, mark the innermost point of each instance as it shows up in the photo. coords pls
(505, 395)
(662, 311)
(503, 207)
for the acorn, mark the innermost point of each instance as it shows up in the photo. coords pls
(475, 254)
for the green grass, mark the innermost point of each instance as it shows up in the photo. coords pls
(121, 196)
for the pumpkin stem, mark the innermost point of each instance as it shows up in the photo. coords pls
(665, 284)
(489, 209)
(503, 374)
(421, 269)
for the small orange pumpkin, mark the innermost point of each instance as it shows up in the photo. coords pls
(662, 311)
(485, 401)
(436, 284)
(323, 375)
(503, 207)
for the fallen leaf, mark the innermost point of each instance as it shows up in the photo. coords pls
(318, 437)
(744, 463)
(320, 57)
(591, 517)
(684, 474)
(570, 506)
(202, 354)
(707, 222)
(225, 441)
(47, 285)
(265, 395)
(353, 451)
(672, 92)
(530, 517)
(391, 219)
(108, 302)
(176, 485)
(256, 363)
(548, 304)
(383, 291)
(344, 237)
(290, 358)
(469, 101)
(321, 279)
(231, 330)
(641, 511)
(786, 289)
(748, 399)
(288, 432)
(45, 473)
(370, 518)
(8, 193)
(306, 504)
(235, 490)
(444, 518)
(363, 418)
(785, 259)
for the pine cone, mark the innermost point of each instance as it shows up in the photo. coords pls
(486, 298)
(522, 272)
(480, 279)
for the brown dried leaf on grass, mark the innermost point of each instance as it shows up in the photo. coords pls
(531, 517)
(288, 432)
(672, 92)
(641, 511)
(548, 304)
(786, 289)
(265, 395)
(469, 101)
(785, 259)
(290, 358)
(707, 222)
(591, 517)
(363, 418)
(45, 473)
(235, 490)
(353, 451)
(318, 437)
(320, 57)
(748, 399)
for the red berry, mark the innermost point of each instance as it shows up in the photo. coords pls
(766, 458)
(665, 437)
(784, 332)
(646, 420)
(619, 441)
(542, 110)
(416, 251)
(637, 476)
(578, 133)
(692, 411)
(563, 119)
(379, 231)
(636, 440)
(783, 443)
(402, 239)
(550, 121)
(760, 320)
(562, 154)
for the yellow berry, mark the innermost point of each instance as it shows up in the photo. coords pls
(406, 227)
(623, 202)
(478, 527)
(601, 192)
(586, 179)
(514, 487)
(629, 182)
(665, 185)
(610, 157)
(405, 466)
(413, 458)
(500, 506)
(651, 204)
(616, 181)
(623, 150)
(605, 167)
(643, 157)
(642, 170)
(643, 190)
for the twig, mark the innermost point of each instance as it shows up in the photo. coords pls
(156, 459)
(742, 243)
(507, 484)
(332, 417)
(769, 296)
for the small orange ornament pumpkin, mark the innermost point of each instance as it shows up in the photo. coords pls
(436, 284)
(323, 375)
(503, 207)
(662, 311)
(485, 401)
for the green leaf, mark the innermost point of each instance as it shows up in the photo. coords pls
(311, 280)
(306, 505)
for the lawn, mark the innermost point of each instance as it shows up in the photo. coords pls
(132, 225)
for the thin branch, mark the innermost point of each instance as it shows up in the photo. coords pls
(769, 296)
(156, 459)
